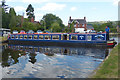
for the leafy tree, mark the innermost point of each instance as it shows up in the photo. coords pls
(5, 19)
(30, 11)
(4, 6)
(12, 16)
(12, 12)
(71, 29)
(55, 27)
(49, 19)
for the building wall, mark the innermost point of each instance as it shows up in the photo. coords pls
(80, 30)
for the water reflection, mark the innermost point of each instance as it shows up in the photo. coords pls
(50, 62)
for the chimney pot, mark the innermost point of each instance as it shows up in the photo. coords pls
(84, 18)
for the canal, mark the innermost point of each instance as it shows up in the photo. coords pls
(49, 62)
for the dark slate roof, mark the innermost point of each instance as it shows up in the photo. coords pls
(80, 21)
(89, 26)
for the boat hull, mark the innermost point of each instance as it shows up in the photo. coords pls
(62, 43)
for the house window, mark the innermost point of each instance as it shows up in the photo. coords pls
(83, 25)
(74, 25)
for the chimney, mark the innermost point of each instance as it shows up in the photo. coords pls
(32, 19)
(84, 18)
(70, 18)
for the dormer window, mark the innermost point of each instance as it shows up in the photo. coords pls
(75, 25)
(83, 25)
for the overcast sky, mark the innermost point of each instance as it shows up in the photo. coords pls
(94, 10)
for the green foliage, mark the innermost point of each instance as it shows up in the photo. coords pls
(12, 17)
(55, 27)
(30, 11)
(49, 19)
(12, 22)
(71, 29)
(4, 6)
(66, 29)
(101, 27)
(5, 19)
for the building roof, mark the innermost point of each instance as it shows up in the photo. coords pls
(89, 26)
(80, 21)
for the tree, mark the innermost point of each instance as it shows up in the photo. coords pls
(12, 17)
(55, 27)
(71, 29)
(5, 19)
(4, 6)
(49, 19)
(12, 22)
(30, 11)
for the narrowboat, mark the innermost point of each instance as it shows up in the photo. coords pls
(62, 39)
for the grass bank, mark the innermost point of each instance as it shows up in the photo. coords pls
(109, 68)
(3, 39)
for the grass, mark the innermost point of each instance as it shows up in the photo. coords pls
(109, 68)
(3, 39)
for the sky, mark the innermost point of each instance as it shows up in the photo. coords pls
(93, 10)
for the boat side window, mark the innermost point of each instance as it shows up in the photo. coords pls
(30, 37)
(16, 37)
(21, 36)
(47, 37)
(55, 37)
(12, 36)
(25, 36)
(35, 36)
(40, 36)
(74, 37)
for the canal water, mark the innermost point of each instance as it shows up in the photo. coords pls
(49, 62)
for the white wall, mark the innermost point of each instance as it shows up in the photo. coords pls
(80, 30)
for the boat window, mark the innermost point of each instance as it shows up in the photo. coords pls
(55, 37)
(40, 36)
(74, 37)
(89, 38)
(47, 37)
(25, 36)
(35, 36)
(21, 36)
(12, 36)
(16, 37)
(30, 37)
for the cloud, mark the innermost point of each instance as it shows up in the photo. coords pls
(32, 1)
(38, 16)
(115, 2)
(73, 9)
(52, 7)
(19, 9)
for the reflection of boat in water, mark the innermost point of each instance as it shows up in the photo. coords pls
(62, 39)
(18, 58)
(51, 51)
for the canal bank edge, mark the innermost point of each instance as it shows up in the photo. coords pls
(109, 67)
